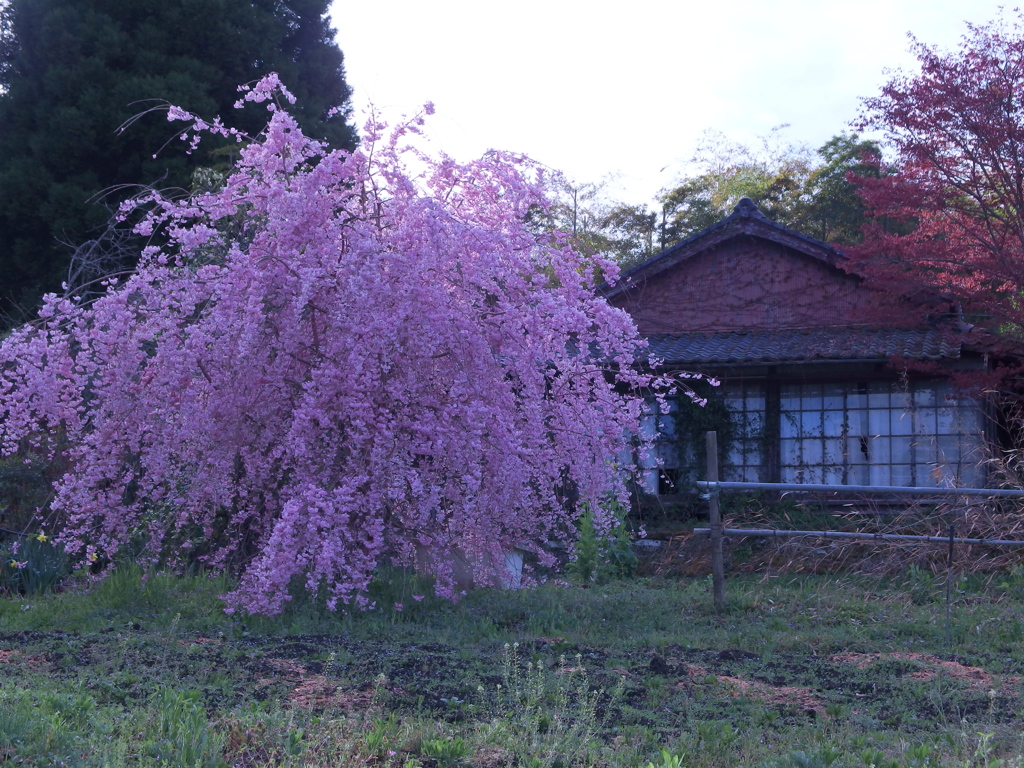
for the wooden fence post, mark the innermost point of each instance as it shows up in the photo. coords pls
(715, 518)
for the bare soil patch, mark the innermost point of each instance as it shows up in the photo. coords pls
(932, 665)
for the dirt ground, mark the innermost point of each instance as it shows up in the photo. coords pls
(661, 689)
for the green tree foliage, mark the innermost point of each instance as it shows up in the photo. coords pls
(689, 208)
(833, 211)
(577, 210)
(632, 232)
(72, 72)
(808, 191)
(773, 176)
(596, 224)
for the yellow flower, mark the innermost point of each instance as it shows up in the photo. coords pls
(92, 557)
(14, 563)
(42, 537)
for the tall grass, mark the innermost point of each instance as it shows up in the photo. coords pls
(145, 668)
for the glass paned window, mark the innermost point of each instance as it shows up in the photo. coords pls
(744, 461)
(660, 462)
(813, 426)
(670, 464)
(879, 433)
(869, 433)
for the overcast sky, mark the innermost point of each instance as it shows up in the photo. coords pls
(593, 89)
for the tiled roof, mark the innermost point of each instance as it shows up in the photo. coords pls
(774, 346)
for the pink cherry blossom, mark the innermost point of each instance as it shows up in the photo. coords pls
(328, 362)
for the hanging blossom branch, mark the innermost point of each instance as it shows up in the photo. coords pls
(331, 362)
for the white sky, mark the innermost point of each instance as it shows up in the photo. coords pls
(597, 88)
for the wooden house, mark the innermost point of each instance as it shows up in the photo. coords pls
(809, 364)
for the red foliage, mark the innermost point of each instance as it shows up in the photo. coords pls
(949, 211)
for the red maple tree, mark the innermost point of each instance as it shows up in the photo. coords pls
(948, 208)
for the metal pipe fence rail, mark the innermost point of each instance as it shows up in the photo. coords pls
(769, 533)
(895, 490)
(713, 487)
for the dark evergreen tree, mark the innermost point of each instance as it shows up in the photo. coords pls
(73, 71)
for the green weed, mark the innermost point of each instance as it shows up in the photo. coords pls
(601, 558)
(446, 753)
(382, 735)
(548, 716)
(667, 759)
(138, 671)
(180, 734)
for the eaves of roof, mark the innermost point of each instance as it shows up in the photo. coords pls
(802, 345)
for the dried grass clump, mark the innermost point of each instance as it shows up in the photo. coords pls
(689, 555)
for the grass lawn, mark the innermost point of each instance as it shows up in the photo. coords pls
(147, 670)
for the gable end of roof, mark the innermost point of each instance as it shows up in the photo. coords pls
(746, 219)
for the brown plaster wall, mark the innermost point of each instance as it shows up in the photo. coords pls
(748, 283)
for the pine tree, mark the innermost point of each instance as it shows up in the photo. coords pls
(72, 72)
